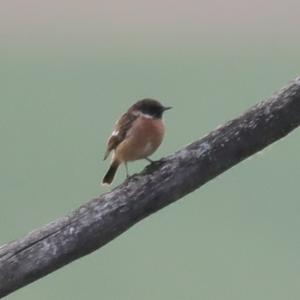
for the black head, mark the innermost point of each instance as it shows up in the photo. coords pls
(150, 107)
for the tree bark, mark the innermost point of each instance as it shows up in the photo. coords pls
(102, 219)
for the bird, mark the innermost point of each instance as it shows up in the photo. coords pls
(136, 135)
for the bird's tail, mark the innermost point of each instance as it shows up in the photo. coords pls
(109, 176)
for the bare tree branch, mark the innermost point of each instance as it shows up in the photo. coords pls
(102, 219)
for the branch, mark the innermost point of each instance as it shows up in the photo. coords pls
(102, 219)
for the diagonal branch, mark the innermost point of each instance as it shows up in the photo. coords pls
(102, 219)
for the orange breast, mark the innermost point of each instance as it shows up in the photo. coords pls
(142, 139)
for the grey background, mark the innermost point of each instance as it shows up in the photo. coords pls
(69, 69)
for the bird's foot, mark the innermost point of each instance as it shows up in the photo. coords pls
(150, 160)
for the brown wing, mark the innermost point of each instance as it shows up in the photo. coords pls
(120, 131)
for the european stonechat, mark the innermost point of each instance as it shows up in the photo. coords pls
(136, 135)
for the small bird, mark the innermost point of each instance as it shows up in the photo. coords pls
(136, 135)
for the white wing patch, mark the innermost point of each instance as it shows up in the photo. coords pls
(115, 132)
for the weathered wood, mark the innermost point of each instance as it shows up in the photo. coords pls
(102, 219)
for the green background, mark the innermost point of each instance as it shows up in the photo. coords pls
(235, 238)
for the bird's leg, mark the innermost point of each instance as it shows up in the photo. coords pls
(149, 160)
(126, 167)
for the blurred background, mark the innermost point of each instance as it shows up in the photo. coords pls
(70, 68)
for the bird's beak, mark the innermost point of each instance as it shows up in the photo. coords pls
(167, 108)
